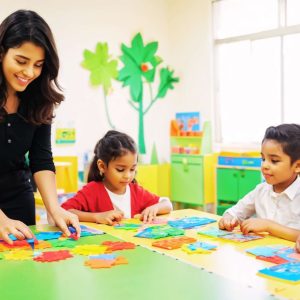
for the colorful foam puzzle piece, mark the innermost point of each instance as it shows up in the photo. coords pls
(127, 226)
(90, 249)
(53, 256)
(86, 231)
(289, 272)
(43, 245)
(19, 255)
(104, 256)
(190, 222)
(229, 235)
(48, 235)
(202, 245)
(119, 245)
(105, 263)
(277, 254)
(157, 232)
(66, 243)
(173, 243)
(273, 259)
(241, 238)
(262, 251)
(99, 263)
(213, 232)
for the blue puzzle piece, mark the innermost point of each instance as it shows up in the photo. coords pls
(190, 222)
(44, 236)
(289, 271)
(103, 256)
(202, 245)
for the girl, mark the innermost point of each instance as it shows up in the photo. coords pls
(28, 94)
(112, 192)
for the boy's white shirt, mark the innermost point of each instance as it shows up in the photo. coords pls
(123, 202)
(283, 208)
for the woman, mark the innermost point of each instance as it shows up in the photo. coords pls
(29, 93)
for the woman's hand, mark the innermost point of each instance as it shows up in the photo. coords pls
(15, 227)
(109, 217)
(63, 218)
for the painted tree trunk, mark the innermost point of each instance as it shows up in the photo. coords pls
(142, 146)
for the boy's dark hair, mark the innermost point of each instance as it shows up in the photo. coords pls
(42, 95)
(288, 135)
(114, 144)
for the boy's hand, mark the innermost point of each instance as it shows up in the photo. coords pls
(109, 217)
(228, 222)
(298, 244)
(255, 225)
(17, 228)
(149, 213)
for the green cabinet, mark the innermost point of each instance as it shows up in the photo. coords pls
(233, 184)
(187, 179)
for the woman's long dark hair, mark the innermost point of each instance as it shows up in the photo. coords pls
(43, 94)
(114, 144)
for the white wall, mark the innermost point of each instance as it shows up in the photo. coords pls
(183, 30)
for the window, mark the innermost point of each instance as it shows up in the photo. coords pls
(257, 67)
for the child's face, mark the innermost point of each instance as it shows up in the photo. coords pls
(276, 166)
(119, 172)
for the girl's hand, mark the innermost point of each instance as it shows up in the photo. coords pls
(149, 213)
(17, 228)
(62, 218)
(255, 225)
(109, 217)
(228, 222)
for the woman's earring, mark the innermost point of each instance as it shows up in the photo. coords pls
(101, 174)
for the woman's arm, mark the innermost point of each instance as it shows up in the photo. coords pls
(46, 184)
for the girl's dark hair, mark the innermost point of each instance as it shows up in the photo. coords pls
(288, 135)
(114, 144)
(42, 95)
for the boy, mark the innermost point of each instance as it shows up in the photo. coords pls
(275, 203)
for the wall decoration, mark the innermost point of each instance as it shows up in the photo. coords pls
(140, 64)
(103, 71)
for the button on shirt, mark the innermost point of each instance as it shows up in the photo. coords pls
(283, 208)
(17, 137)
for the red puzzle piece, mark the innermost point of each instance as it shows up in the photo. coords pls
(53, 256)
(273, 259)
(114, 246)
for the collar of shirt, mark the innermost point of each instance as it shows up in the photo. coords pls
(290, 191)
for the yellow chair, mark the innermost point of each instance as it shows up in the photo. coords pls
(66, 173)
(155, 178)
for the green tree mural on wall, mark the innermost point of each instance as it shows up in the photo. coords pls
(140, 64)
(103, 71)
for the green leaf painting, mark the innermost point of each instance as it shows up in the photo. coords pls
(140, 64)
(166, 82)
(103, 70)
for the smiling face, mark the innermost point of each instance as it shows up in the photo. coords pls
(119, 172)
(22, 65)
(276, 166)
